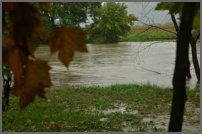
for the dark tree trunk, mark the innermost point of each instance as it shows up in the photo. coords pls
(179, 78)
(188, 74)
(193, 49)
(194, 56)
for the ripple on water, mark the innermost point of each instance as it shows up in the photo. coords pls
(121, 63)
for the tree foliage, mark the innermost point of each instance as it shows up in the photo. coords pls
(24, 28)
(73, 18)
(111, 22)
(70, 14)
(176, 8)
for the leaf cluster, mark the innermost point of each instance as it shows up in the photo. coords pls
(176, 8)
(24, 28)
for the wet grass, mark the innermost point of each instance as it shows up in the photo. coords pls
(79, 109)
(147, 33)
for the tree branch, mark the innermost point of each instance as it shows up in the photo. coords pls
(197, 37)
(157, 27)
(175, 23)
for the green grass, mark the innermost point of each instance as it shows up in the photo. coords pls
(140, 36)
(147, 33)
(80, 109)
(144, 33)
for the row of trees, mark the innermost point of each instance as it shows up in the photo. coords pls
(110, 21)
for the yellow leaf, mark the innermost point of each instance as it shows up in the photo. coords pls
(67, 40)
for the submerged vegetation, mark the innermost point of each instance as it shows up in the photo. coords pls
(112, 108)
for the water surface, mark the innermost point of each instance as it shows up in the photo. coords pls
(119, 63)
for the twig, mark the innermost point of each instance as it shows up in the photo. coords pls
(158, 27)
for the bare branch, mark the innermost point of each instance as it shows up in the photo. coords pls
(175, 23)
(197, 37)
(158, 27)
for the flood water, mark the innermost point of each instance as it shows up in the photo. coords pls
(120, 63)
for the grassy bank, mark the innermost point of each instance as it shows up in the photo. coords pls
(113, 108)
(147, 33)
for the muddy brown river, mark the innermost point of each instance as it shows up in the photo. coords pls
(120, 63)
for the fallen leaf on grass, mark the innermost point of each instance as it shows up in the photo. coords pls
(46, 116)
(54, 126)
(28, 121)
(59, 104)
(65, 109)
(57, 97)
(33, 128)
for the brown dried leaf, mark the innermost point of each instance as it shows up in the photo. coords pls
(16, 60)
(26, 27)
(28, 121)
(9, 6)
(36, 79)
(3, 19)
(54, 126)
(7, 43)
(45, 6)
(67, 40)
(66, 54)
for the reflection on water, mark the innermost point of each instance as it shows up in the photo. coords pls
(120, 63)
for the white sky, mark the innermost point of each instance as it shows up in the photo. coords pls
(145, 11)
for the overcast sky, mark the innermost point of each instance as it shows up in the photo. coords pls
(145, 11)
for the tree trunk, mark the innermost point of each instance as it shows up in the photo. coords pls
(177, 30)
(179, 78)
(193, 49)
(194, 56)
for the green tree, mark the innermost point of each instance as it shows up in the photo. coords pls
(72, 14)
(111, 22)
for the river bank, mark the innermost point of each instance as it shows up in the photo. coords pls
(148, 33)
(140, 108)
